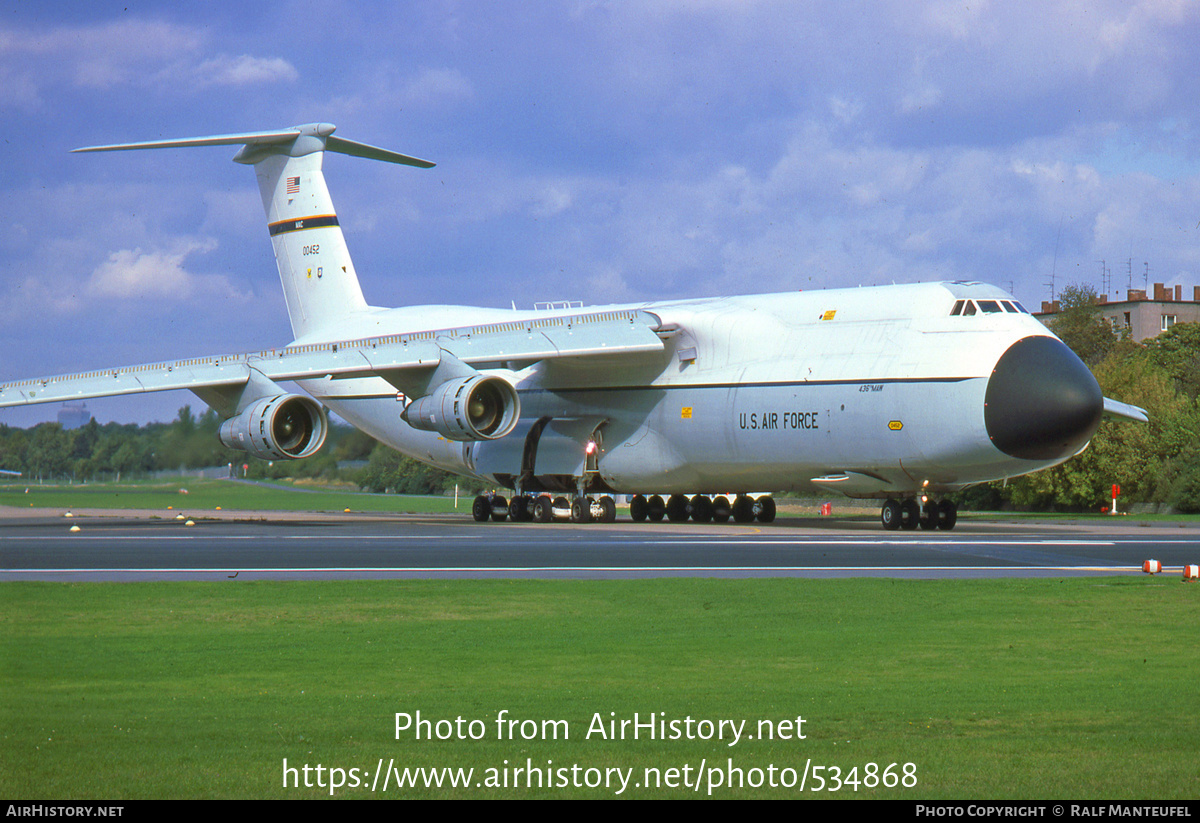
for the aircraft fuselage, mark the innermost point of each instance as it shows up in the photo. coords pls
(767, 392)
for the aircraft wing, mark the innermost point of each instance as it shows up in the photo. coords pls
(392, 357)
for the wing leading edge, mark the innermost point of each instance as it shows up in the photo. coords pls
(396, 358)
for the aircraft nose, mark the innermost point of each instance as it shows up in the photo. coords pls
(1042, 402)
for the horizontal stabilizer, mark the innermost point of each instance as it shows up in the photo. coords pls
(321, 134)
(373, 153)
(1115, 408)
(251, 138)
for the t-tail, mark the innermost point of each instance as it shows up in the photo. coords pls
(319, 282)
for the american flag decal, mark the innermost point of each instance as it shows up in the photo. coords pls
(293, 185)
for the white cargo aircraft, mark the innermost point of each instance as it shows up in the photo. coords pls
(900, 393)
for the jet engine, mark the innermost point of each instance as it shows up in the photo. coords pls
(478, 407)
(284, 427)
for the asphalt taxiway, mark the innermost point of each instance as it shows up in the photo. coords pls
(122, 546)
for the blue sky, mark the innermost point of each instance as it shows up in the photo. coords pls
(598, 151)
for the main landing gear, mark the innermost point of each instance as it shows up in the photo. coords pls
(910, 513)
(702, 508)
(543, 509)
(677, 508)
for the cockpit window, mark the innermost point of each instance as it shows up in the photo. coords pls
(958, 307)
(969, 309)
(1020, 308)
(1008, 306)
(989, 307)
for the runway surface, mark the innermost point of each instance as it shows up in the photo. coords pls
(140, 546)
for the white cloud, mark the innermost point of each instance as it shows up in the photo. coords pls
(134, 274)
(127, 53)
(432, 85)
(244, 70)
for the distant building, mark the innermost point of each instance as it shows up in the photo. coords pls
(1143, 316)
(74, 415)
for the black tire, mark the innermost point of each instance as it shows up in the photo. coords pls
(677, 508)
(499, 509)
(910, 515)
(655, 508)
(765, 509)
(481, 509)
(581, 510)
(701, 509)
(518, 509)
(889, 515)
(638, 508)
(722, 511)
(609, 508)
(543, 510)
(947, 515)
(743, 509)
(929, 516)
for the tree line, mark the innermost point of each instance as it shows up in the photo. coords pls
(115, 451)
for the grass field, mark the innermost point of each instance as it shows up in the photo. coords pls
(1076, 688)
(207, 495)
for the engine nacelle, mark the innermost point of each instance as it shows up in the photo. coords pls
(478, 407)
(285, 427)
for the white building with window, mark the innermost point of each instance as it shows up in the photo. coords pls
(1144, 316)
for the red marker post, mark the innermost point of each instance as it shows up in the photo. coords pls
(1116, 493)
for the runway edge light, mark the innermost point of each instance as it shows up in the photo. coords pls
(1152, 567)
(1191, 572)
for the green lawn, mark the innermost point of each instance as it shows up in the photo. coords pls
(205, 495)
(1076, 688)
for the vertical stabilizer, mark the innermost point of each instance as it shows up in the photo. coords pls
(319, 282)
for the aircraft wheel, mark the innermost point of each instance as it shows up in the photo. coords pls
(677, 508)
(499, 509)
(743, 509)
(481, 509)
(581, 510)
(543, 510)
(910, 514)
(721, 509)
(655, 508)
(929, 516)
(638, 508)
(702, 509)
(889, 515)
(608, 507)
(947, 515)
(764, 509)
(519, 509)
